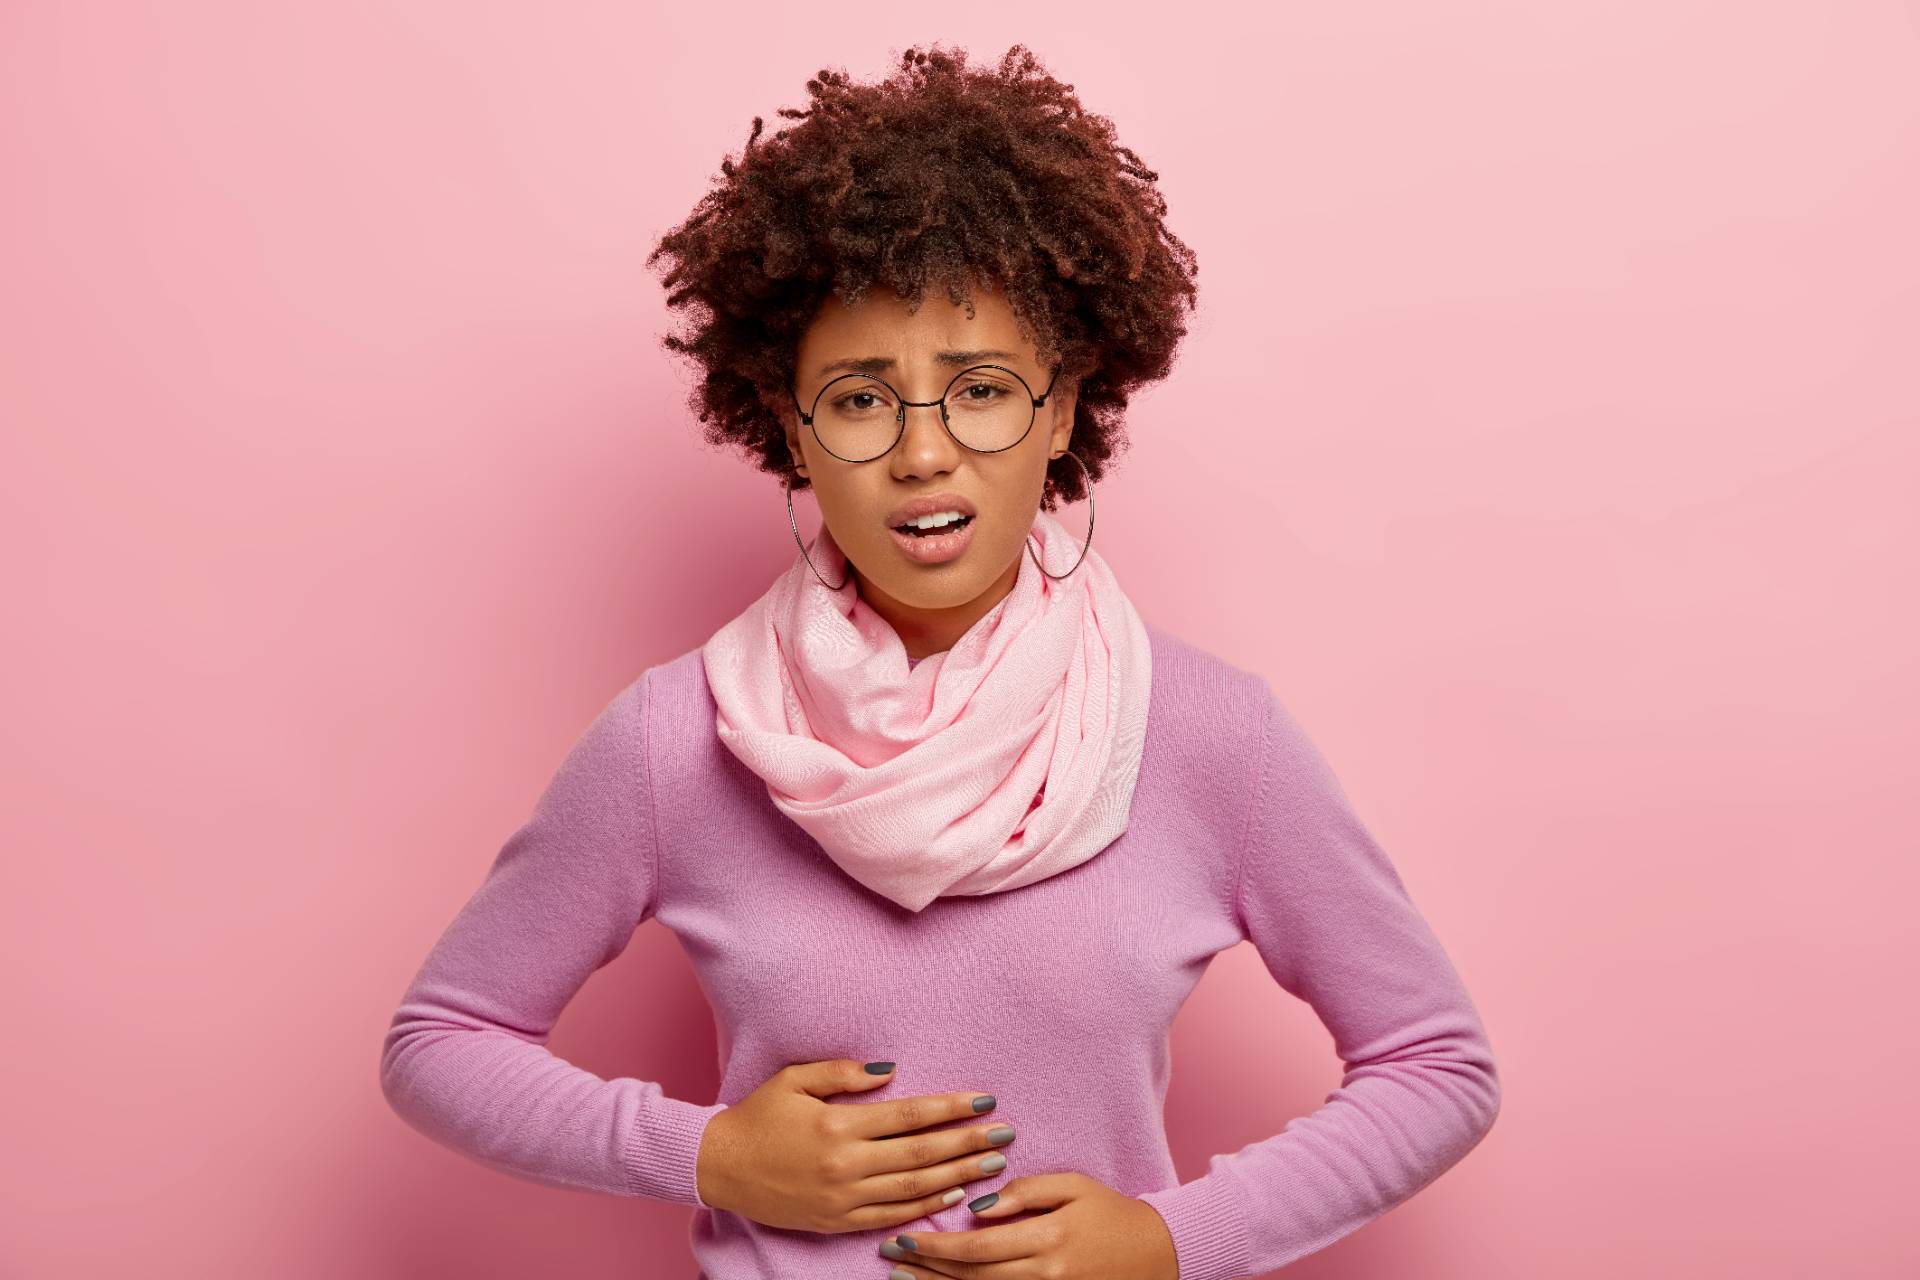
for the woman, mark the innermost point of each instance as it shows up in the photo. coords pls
(947, 830)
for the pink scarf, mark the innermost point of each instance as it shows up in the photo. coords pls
(1004, 760)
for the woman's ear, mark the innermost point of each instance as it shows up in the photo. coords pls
(792, 423)
(789, 419)
(1062, 403)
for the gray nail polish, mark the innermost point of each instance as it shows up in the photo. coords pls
(906, 1243)
(879, 1068)
(993, 1163)
(888, 1249)
(898, 1274)
(986, 1201)
(985, 1102)
(1000, 1135)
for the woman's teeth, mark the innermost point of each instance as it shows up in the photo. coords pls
(938, 521)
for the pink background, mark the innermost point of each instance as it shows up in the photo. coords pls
(1547, 435)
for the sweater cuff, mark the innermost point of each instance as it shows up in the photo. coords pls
(1208, 1221)
(662, 1149)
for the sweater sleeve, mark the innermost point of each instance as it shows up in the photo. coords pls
(1335, 927)
(465, 1058)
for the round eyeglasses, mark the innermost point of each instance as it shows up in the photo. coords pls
(989, 408)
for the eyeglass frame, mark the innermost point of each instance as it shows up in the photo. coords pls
(900, 416)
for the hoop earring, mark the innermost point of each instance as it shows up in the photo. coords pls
(795, 526)
(1090, 515)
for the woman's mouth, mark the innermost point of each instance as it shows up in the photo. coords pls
(935, 545)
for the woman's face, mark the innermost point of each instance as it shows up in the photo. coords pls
(931, 602)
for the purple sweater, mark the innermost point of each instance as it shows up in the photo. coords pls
(1057, 997)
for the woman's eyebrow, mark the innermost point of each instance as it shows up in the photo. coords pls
(875, 364)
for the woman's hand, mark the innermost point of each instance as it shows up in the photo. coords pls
(784, 1158)
(1092, 1232)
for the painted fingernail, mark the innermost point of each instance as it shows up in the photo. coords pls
(984, 1202)
(993, 1163)
(985, 1102)
(879, 1068)
(905, 1243)
(1000, 1135)
(898, 1274)
(952, 1195)
(888, 1249)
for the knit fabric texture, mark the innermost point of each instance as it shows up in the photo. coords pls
(1057, 997)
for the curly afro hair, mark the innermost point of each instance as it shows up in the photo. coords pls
(939, 175)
